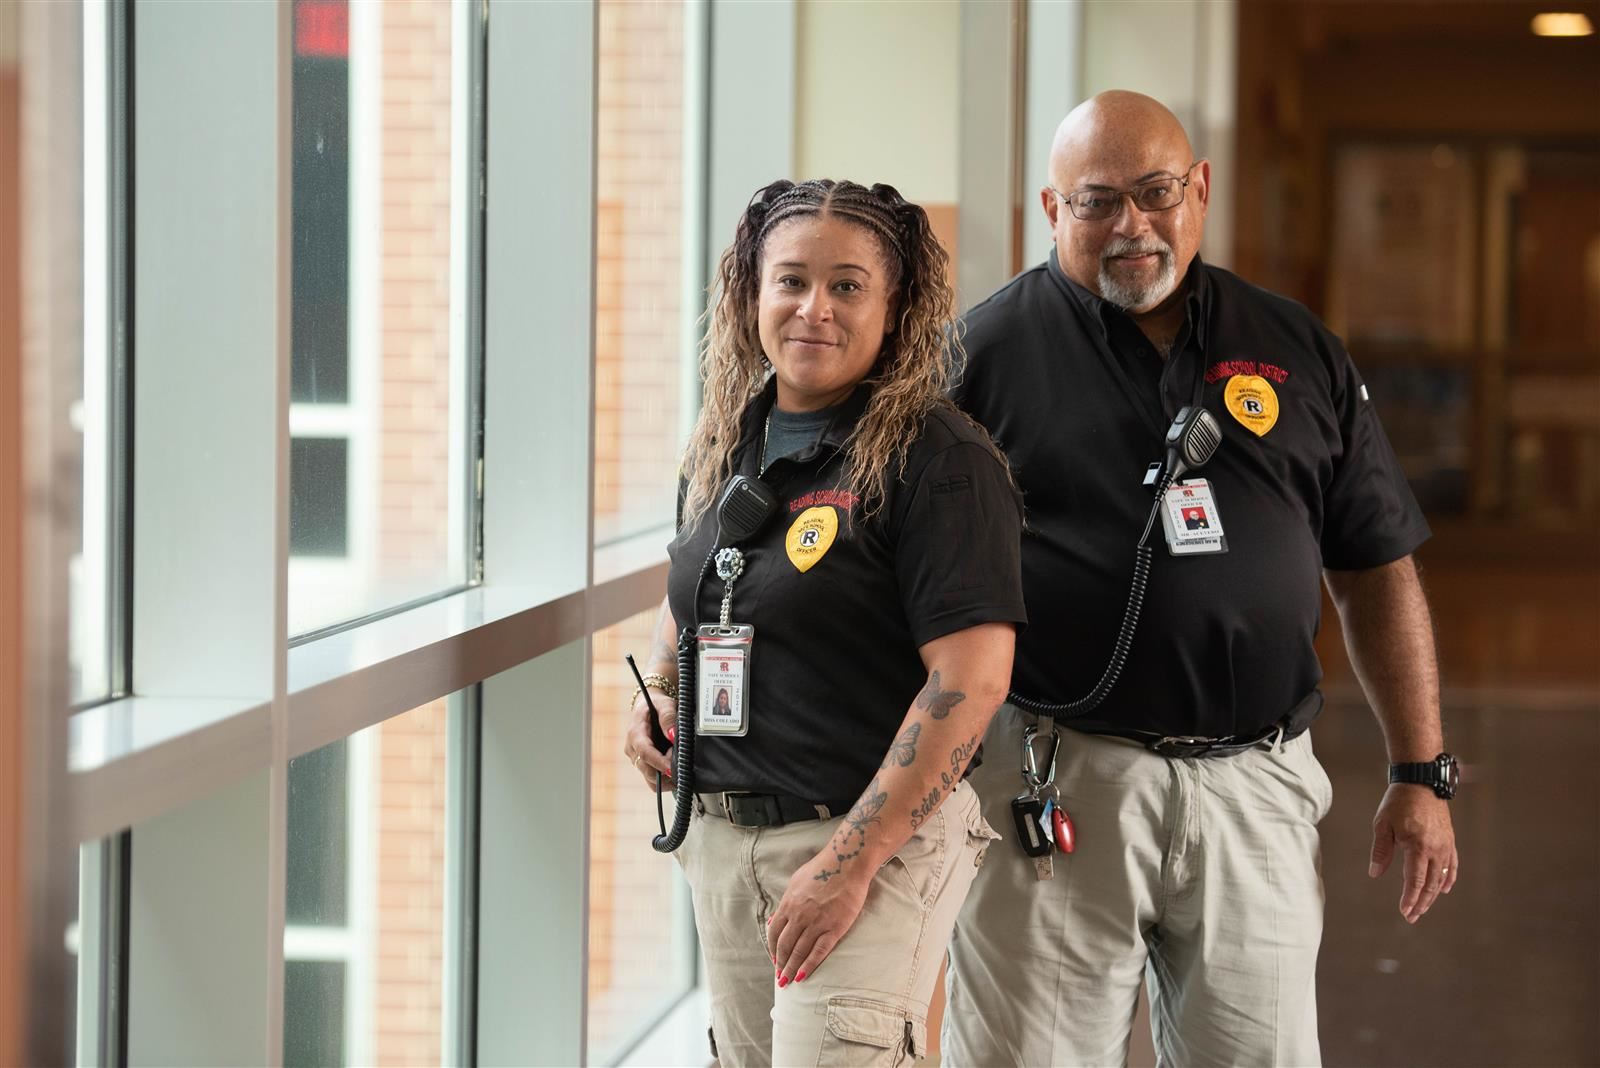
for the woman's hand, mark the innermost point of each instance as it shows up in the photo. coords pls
(640, 748)
(818, 908)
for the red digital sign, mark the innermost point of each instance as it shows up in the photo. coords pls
(322, 28)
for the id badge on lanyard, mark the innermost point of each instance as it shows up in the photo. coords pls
(722, 702)
(722, 651)
(1190, 519)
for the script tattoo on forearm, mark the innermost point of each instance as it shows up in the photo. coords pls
(851, 837)
(947, 782)
(937, 702)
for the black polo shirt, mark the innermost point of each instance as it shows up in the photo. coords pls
(835, 664)
(1080, 401)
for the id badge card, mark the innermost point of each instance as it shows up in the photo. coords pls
(722, 698)
(1190, 519)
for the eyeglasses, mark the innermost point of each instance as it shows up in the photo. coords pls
(1160, 194)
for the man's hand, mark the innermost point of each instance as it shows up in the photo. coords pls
(1418, 821)
(814, 915)
(638, 746)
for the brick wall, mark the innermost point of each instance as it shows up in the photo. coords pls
(408, 1001)
(413, 510)
(415, 294)
(639, 273)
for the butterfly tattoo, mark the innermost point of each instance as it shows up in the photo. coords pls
(938, 702)
(904, 749)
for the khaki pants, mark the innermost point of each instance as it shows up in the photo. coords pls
(1201, 878)
(868, 1002)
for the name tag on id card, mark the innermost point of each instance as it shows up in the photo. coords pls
(722, 696)
(1190, 519)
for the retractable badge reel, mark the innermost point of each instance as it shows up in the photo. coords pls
(723, 648)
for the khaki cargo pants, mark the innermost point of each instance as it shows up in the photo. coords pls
(868, 1002)
(1200, 878)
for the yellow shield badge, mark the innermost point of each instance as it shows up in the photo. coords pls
(810, 536)
(1251, 400)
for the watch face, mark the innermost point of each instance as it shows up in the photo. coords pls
(1449, 774)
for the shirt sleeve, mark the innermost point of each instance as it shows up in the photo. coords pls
(1370, 516)
(958, 557)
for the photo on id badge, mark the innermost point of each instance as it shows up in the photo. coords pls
(722, 692)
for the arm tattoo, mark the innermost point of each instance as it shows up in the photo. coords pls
(851, 838)
(938, 702)
(904, 749)
(948, 780)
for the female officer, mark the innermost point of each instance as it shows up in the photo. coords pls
(834, 837)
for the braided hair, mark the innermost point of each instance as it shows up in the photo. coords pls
(913, 368)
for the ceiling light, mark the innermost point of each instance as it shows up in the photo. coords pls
(1562, 24)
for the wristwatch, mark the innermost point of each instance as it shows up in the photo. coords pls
(1442, 773)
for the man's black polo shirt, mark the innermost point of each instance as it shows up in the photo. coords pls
(1080, 402)
(835, 665)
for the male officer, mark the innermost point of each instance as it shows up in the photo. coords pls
(1193, 787)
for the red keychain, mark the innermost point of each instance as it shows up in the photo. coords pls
(1061, 824)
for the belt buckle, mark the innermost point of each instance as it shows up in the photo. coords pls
(737, 803)
(1182, 746)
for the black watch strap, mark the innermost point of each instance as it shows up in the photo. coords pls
(1441, 773)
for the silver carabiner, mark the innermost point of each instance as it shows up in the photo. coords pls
(1030, 758)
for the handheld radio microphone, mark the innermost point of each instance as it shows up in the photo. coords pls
(1191, 440)
(744, 508)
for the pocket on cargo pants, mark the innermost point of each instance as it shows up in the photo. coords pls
(863, 1032)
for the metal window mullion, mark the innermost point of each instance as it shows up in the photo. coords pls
(209, 270)
(464, 754)
(278, 774)
(587, 733)
(119, 568)
(477, 166)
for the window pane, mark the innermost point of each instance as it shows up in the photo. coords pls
(366, 893)
(319, 496)
(379, 355)
(313, 1013)
(639, 329)
(641, 937)
(319, 824)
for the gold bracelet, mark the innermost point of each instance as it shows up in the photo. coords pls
(655, 682)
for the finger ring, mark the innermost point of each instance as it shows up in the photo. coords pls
(635, 759)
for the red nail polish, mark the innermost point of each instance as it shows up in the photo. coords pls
(783, 981)
(672, 736)
(800, 978)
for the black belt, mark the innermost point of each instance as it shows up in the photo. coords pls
(743, 809)
(1189, 746)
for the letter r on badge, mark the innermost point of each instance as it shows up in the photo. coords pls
(808, 539)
